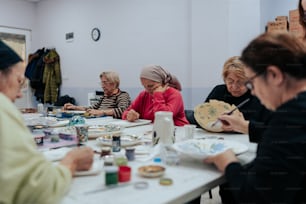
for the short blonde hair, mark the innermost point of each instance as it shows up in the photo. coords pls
(112, 77)
(234, 65)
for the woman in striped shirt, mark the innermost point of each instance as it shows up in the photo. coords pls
(113, 101)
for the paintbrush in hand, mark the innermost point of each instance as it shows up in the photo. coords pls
(231, 112)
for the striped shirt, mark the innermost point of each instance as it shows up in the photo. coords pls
(118, 102)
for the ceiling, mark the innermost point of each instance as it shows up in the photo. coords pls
(31, 0)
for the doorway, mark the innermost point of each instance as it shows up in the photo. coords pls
(19, 40)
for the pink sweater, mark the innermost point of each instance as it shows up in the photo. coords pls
(170, 100)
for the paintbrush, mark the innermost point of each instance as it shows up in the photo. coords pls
(231, 112)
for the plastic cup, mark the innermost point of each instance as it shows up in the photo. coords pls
(189, 130)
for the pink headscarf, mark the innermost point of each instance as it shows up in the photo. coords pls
(158, 74)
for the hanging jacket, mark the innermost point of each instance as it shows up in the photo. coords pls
(52, 76)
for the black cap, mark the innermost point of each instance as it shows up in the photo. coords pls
(8, 57)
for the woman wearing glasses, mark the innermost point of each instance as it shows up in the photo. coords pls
(112, 102)
(234, 90)
(276, 72)
(239, 124)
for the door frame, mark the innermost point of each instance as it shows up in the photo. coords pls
(26, 101)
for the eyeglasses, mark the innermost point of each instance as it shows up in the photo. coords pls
(105, 82)
(249, 83)
(231, 82)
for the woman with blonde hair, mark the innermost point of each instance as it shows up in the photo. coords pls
(233, 91)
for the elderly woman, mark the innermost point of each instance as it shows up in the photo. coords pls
(234, 91)
(161, 94)
(112, 102)
(25, 174)
(276, 72)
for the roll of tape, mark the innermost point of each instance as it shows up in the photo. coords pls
(165, 181)
(141, 185)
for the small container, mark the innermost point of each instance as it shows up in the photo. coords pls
(111, 175)
(76, 120)
(116, 143)
(124, 173)
(130, 153)
(105, 151)
(40, 108)
(120, 160)
(109, 160)
(58, 112)
(82, 133)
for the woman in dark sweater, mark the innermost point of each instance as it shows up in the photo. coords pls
(276, 71)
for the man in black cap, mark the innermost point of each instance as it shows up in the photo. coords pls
(25, 174)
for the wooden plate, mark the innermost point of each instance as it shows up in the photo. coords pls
(151, 171)
(207, 113)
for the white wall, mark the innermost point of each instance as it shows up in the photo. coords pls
(17, 14)
(190, 38)
(272, 8)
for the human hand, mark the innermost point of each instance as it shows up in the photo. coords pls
(160, 88)
(95, 112)
(222, 160)
(234, 122)
(78, 159)
(132, 116)
(69, 106)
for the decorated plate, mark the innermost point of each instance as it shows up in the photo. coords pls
(94, 131)
(200, 149)
(207, 114)
(103, 130)
(151, 171)
(126, 140)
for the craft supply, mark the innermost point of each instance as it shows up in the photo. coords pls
(230, 113)
(105, 151)
(108, 160)
(111, 175)
(116, 143)
(120, 160)
(82, 133)
(165, 181)
(141, 185)
(54, 138)
(124, 173)
(40, 108)
(130, 153)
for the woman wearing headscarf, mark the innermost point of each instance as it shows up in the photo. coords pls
(162, 93)
(25, 174)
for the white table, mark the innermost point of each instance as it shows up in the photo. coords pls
(190, 178)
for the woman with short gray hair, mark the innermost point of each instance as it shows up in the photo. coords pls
(113, 101)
